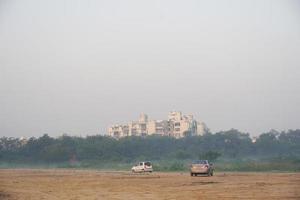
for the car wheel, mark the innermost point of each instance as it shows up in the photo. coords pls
(192, 174)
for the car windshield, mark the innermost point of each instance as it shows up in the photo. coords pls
(148, 164)
(200, 162)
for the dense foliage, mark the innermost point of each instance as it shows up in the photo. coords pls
(223, 145)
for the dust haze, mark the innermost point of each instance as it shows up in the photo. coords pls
(77, 67)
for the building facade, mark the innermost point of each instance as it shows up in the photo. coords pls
(177, 125)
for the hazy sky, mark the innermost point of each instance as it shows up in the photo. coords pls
(77, 67)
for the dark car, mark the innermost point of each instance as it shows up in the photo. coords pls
(201, 167)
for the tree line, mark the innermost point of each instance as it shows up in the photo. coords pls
(231, 144)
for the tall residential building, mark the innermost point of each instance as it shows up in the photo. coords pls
(158, 127)
(118, 131)
(138, 128)
(177, 125)
(182, 125)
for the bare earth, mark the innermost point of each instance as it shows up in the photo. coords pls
(82, 184)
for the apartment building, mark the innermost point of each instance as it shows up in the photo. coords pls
(182, 125)
(177, 125)
(118, 131)
(158, 127)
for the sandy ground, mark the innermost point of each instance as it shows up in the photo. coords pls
(82, 184)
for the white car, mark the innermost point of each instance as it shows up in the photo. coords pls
(142, 167)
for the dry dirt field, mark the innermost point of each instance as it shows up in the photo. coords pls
(82, 184)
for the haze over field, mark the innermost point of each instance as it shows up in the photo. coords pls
(77, 67)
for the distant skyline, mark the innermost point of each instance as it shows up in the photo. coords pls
(77, 67)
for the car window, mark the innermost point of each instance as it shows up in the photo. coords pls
(200, 162)
(148, 163)
(141, 163)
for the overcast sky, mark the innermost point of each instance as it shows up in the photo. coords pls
(77, 67)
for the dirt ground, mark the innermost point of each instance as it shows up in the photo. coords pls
(83, 184)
